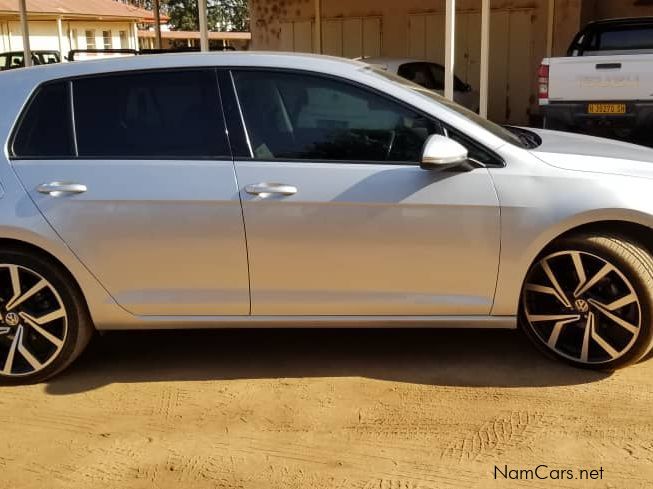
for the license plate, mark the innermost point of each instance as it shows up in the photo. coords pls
(606, 109)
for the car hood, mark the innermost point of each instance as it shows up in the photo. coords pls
(591, 154)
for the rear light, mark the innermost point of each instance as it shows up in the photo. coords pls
(543, 81)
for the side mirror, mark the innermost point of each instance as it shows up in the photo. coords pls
(441, 152)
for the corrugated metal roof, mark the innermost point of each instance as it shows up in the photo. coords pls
(85, 8)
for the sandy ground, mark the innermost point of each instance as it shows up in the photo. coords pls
(317, 409)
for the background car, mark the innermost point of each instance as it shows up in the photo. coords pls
(429, 75)
(16, 59)
(266, 190)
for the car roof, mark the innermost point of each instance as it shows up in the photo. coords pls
(622, 21)
(306, 62)
(393, 64)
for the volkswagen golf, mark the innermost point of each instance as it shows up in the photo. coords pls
(277, 190)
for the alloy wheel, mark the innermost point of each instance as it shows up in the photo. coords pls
(582, 307)
(33, 321)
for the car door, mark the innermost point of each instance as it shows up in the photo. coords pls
(340, 218)
(140, 184)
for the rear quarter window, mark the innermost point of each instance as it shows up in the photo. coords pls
(45, 128)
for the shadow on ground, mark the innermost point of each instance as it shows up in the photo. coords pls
(472, 358)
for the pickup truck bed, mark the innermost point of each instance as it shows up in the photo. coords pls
(598, 84)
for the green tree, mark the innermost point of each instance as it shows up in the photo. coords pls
(230, 15)
(223, 15)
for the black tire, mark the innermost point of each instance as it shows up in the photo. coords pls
(77, 328)
(631, 336)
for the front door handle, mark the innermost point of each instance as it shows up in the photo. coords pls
(270, 188)
(61, 188)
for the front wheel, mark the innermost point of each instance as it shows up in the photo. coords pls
(44, 324)
(589, 301)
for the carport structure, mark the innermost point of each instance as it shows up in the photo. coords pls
(450, 40)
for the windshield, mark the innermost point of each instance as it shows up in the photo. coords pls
(500, 132)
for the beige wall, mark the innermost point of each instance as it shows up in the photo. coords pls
(607, 9)
(268, 16)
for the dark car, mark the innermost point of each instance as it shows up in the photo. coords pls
(16, 59)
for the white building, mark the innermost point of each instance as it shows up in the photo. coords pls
(62, 25)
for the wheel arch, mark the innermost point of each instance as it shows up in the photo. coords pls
(634, 225)
(638, 232)
(635, 231)
(17, 244)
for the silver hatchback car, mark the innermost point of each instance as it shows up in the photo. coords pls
(267, 190)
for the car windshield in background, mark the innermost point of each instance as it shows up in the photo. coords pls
(500, 132)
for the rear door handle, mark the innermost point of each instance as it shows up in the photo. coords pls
(61, 188)
(270, 188)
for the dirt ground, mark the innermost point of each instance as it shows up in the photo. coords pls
(366, 409)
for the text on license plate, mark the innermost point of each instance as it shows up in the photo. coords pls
(606, 109)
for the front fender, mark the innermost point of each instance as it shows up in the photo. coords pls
(543, 203)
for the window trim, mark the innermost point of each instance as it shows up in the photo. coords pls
(499, 161)
(70, 80)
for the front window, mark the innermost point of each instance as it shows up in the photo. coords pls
(498, 131)
(308, 117)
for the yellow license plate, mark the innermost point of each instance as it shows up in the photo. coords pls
(606, 109)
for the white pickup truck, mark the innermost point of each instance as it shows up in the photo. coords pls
(606, 79)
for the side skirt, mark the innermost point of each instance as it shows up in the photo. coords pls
(218, 322)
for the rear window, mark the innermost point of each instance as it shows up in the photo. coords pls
(628, 38)
(45, 130)
(150, 115)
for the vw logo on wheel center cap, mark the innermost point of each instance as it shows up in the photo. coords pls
(581, 305)
(12, 319)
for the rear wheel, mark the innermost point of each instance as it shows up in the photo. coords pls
(588, 300)
(44, 325)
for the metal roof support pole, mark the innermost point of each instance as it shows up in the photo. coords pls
(60, 35)
(485, 58)
(157, 23)
(25, 29)
(318, 27)
(550, 28)
(135, 34)
(204, 29)
(450, 48)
